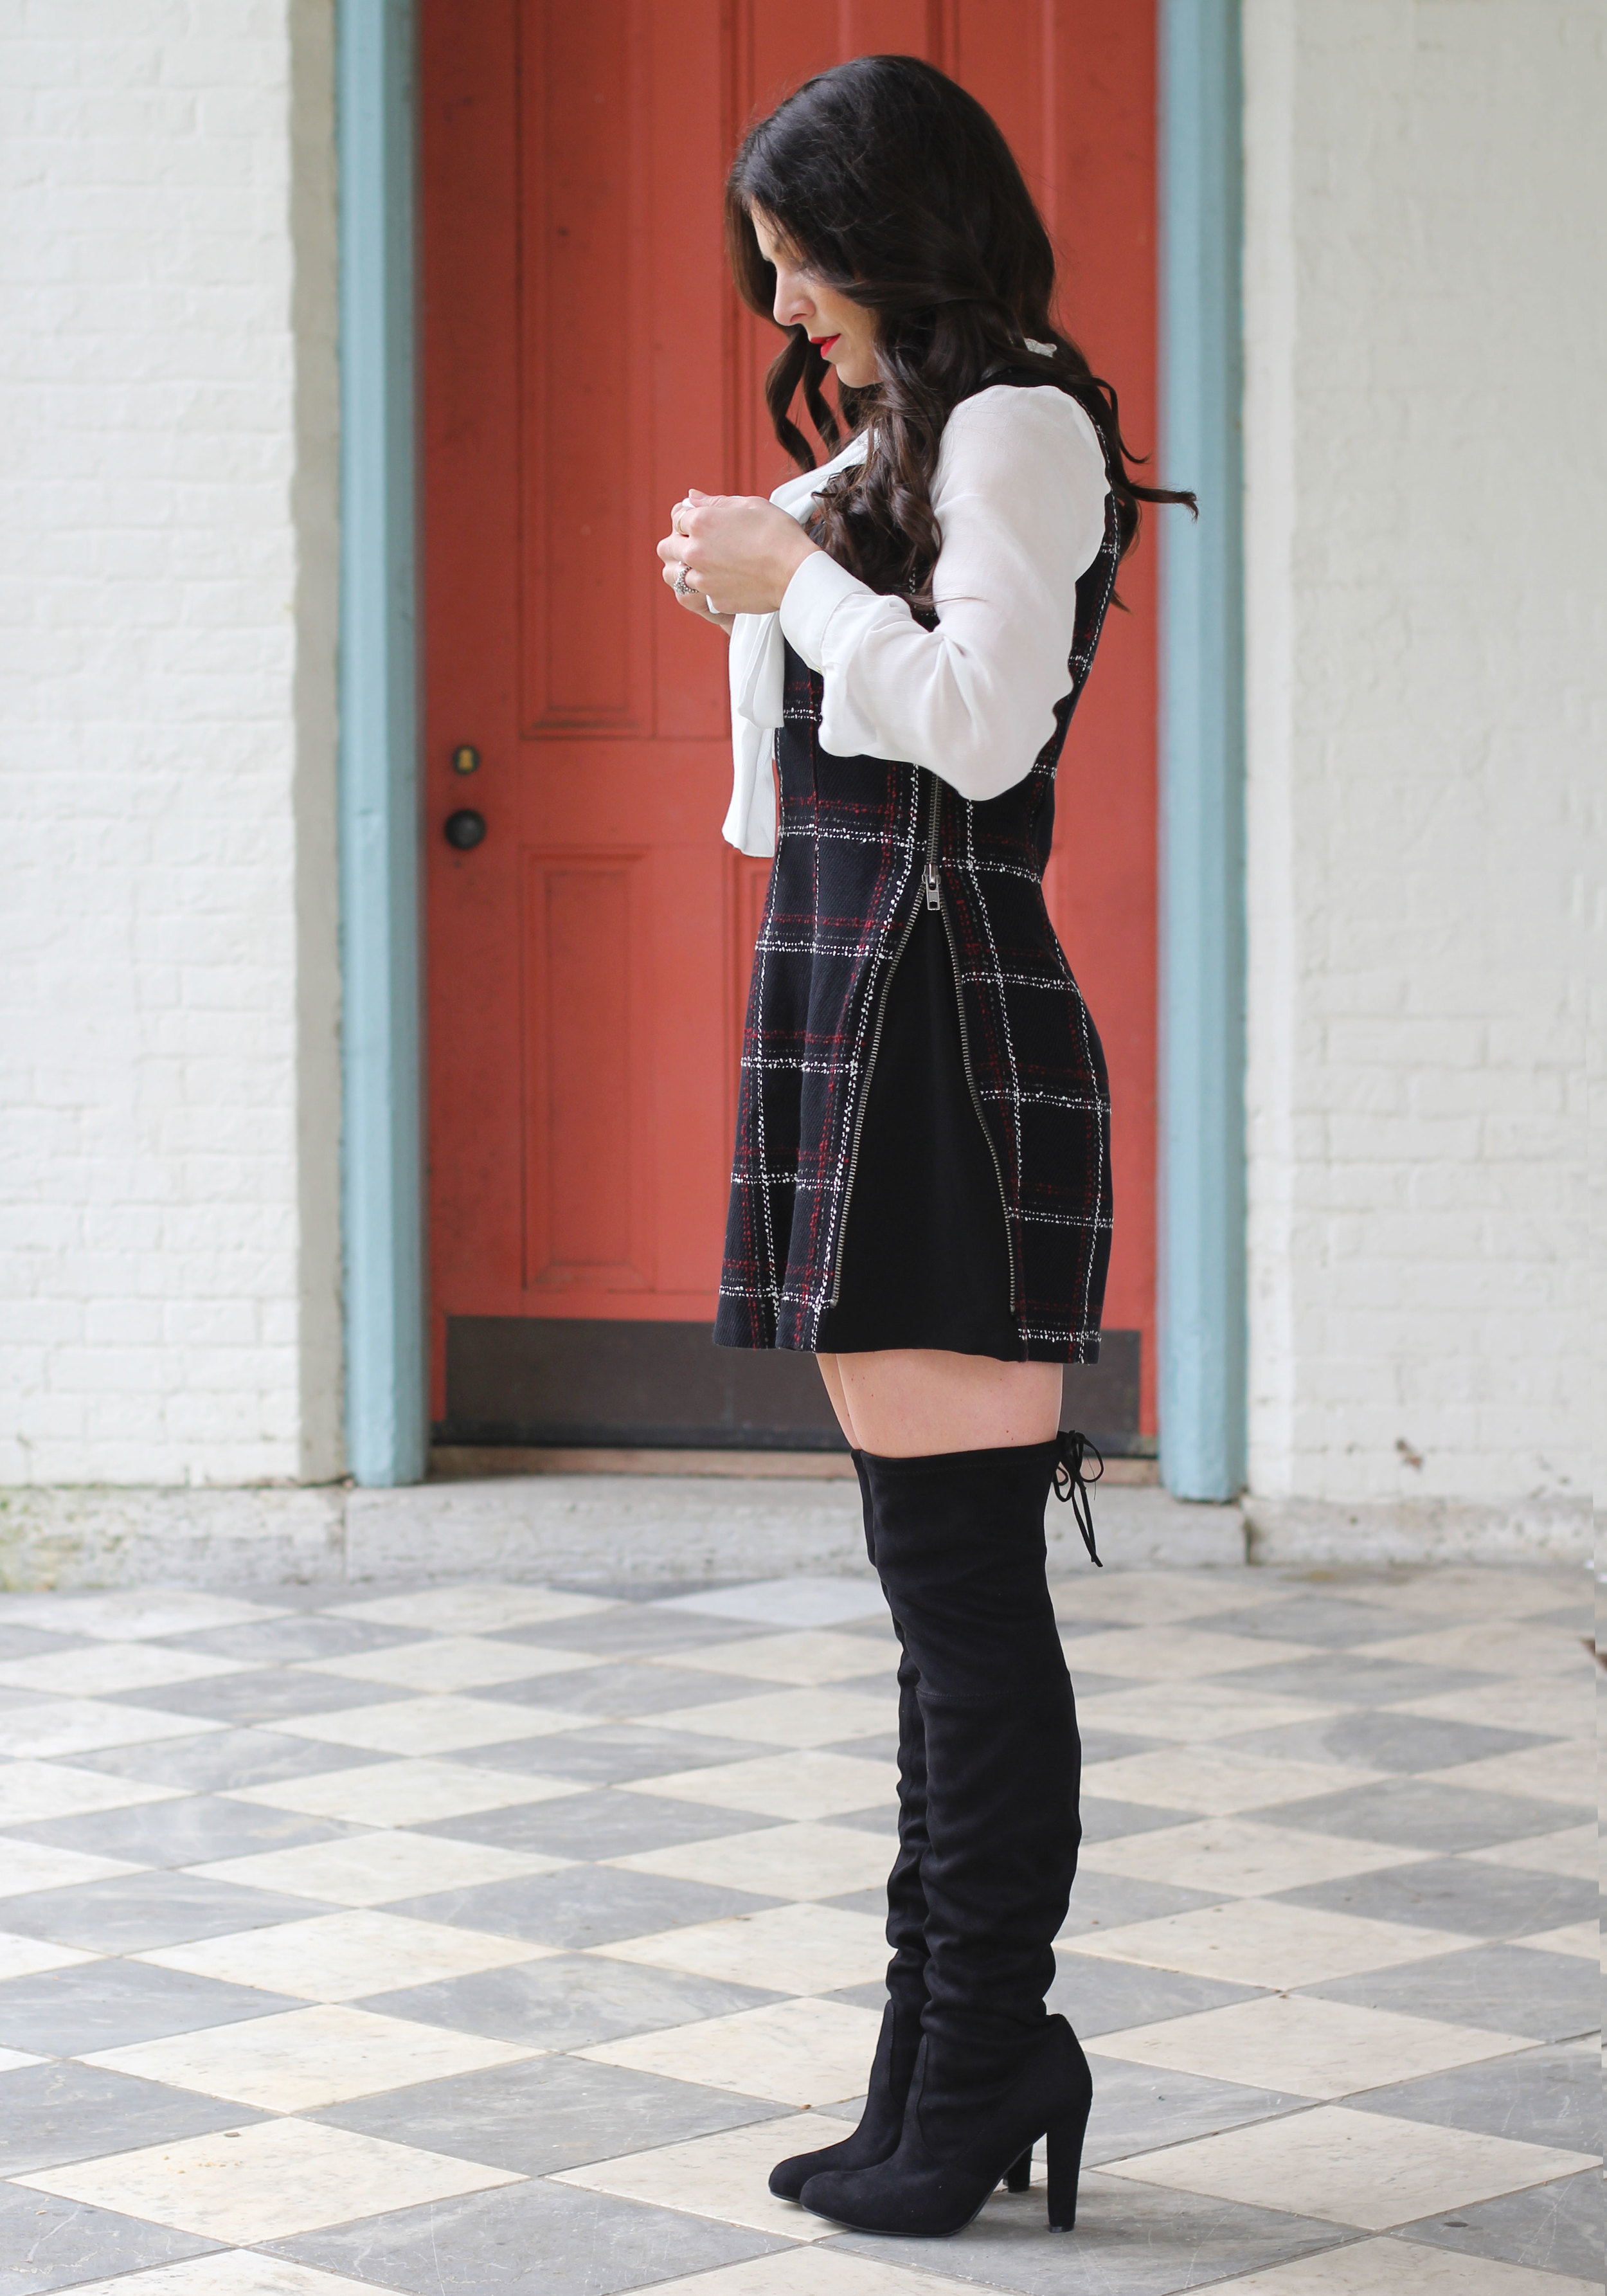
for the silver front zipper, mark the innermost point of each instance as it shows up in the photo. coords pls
(932, 888)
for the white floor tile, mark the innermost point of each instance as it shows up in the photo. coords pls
(1153, 1598)
(1170, 1653)
(227, 2272)
(119, 1666)
(80, 1726)
(797, 2053)
(789, 1601)
(1576, 1851)
(775, 1861)
(1219, 1779)
(1254, 1941)
(405, 1793)
(266, 2182)
(1496, 1645)
(1237, 1856)
(797, 1949)
(1306, 2047)
(812, 1655)
(26, 1957)
(723, 2177)
(12, 2060)
(1400, 2268)
(1189, 1711)
(451, 1662)
(1564, 1771)
(129, 1614)
(30, 1791)
(26, 1865)
(344, 1956)
(474, 1610)
(805, 1784)
(1363, 2168)
(441, 1725)
(375, 1869)
(790, 1718)
(1581, 1938)
(1556, 1705)
(305, 2058)
(1457, 1591)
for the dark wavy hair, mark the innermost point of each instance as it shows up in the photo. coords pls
(895, 187)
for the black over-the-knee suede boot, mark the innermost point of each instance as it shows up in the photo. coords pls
(960, 1548)
(877, 2134)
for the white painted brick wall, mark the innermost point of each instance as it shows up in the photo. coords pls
(1426, 506)
(169, 1000)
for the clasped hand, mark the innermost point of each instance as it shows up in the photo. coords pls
(728, 554)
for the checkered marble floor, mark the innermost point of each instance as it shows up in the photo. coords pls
(483, 1938)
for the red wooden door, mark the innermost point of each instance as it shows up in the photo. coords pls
(585, 361)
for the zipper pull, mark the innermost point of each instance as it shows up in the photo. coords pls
(933, 898)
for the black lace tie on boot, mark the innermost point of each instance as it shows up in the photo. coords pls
(1071, 1483)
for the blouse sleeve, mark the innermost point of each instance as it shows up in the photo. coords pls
(1020, 499)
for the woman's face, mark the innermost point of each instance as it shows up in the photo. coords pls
(844, 330)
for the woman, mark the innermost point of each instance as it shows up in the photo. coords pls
(921, 1193)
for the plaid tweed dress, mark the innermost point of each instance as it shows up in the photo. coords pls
(864, 847)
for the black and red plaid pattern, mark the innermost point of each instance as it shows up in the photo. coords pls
(852, 842)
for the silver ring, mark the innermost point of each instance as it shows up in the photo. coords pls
(681, 586)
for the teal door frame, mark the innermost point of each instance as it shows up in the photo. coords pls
(381, 1160)
(1202, 1032)
(1201, 1020)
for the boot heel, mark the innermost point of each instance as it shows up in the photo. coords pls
(1064, 2151)
(1017, 2177)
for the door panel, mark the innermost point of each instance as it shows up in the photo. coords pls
(585, 361)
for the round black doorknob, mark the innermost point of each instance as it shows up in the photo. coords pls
(465, 830)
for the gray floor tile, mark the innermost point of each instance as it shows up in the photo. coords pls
(304, 1634)
(1454, 1893)
(1111, 1745)
(1378, 1738)
(1352, 1679)
(569, 2002)
(1131, 2240)
(1549, 2097)
(105, 2004)
(224, 1761)
(1107, 1821)
(1506, 1989)
(882, 1749)
(613, 1751)
(872, 1902)
(55, 2112)
(883, 1819)
(554, 2113)
(1105, 1901)
(132, 1912)
(266, 1696)
(1137, 2109)
(608, 1823)
(1106, 1997)
(192, 1832)
(1328, 1621)
(1422, 1813)
(18, 1641)
(49, 2243)
(582, 1905)
(633, 1631)
(527, 2240)
(618, 1690)
(1551, 2228)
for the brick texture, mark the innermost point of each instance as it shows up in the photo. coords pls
(1425, 507)
(169, 1110)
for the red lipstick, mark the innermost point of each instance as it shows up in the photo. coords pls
(823, 343)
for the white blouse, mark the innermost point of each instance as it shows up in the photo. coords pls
(1020, 499)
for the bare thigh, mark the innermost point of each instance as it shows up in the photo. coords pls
(907, 1403)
